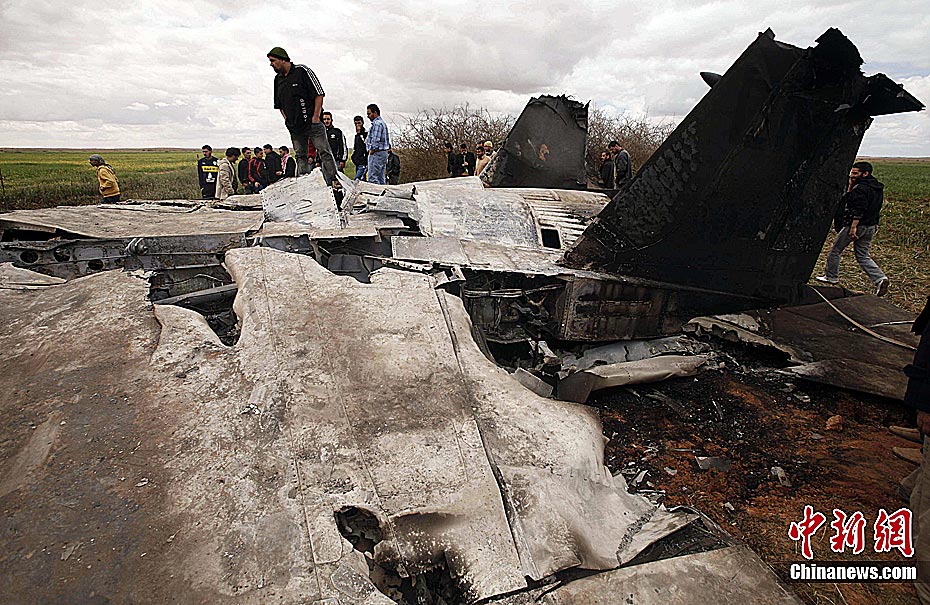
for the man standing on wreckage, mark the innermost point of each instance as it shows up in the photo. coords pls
(298, 94)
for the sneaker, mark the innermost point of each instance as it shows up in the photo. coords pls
(882, 288)
(827, 280)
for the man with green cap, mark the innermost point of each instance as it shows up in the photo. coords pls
(299, 96)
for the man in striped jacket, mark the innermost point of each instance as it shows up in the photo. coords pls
(299, 96)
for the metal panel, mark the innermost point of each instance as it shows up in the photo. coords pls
(443, 250)
(599, 310)
(222, 470)
(128, 221)
(728, 576)
(306, 200)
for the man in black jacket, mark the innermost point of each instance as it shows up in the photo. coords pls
(453, 161)
(243, 170)
(273, 164)
(468, 160)
(861, 206)
(207, 169)
(298, 94)
(607, 170)
(337, 141)
(288, 162)
(359, 150)
(393, 168)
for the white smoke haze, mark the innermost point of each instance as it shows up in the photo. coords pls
(181, 74)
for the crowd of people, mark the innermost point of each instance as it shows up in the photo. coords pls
(316, 142)
(468, 163)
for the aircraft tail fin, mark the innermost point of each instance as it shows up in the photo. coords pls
(545, 147)
(740, 197)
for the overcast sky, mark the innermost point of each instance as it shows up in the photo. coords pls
(181, 73)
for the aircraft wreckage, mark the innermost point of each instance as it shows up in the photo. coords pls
(310, 412)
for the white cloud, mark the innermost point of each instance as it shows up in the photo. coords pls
(176, 73)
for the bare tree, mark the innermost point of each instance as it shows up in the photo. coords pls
(420, 142)
(638, 135)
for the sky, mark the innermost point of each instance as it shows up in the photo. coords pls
(181, 73)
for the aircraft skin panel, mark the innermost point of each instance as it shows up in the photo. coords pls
(728, 576)
(182, 469)
(368, 427)
(107, 221)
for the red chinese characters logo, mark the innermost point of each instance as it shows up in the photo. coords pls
(894, 531)
(890, 531)
(847, 531)
(804, 529)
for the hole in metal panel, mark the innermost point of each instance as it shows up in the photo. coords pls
(29, 256)
(550, 238)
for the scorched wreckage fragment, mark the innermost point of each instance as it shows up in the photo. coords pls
(310, 413)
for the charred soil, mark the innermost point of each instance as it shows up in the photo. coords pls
(759, 419)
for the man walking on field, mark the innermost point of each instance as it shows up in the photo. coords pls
(109, 186)
(299, 96)
(861, 206)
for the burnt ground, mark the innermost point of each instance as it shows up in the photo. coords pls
(758, 418)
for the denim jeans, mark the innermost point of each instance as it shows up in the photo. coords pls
(361, 172)
(861, 246)
(317, 134)
(376, 164)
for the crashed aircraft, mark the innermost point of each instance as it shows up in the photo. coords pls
(310, 412)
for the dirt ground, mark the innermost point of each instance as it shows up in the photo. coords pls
(757, 418)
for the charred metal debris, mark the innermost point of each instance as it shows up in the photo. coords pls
(465, 483)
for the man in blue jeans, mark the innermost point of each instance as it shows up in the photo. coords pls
(862, 204)
(378, 143)
(299, 96)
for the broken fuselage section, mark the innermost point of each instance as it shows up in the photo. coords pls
(729, 214)
(336, 430)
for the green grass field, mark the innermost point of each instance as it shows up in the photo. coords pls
(43, 178)
(38, 179)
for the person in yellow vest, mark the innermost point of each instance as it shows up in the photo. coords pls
(109, 186)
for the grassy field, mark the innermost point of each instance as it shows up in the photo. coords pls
(42, 178)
